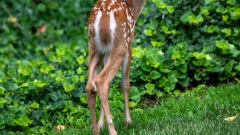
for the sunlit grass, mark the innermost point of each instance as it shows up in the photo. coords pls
(200, 112)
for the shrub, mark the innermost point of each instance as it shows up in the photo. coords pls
(187, 43)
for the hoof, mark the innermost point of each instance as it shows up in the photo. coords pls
(128, 122)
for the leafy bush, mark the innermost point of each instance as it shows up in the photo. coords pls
(29, 27)
(187, 43)
(43, 65)
(179, 44)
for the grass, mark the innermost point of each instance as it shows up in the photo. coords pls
(200, 112)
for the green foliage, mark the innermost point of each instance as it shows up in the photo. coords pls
(42, 75)
(22, 26)
(188, 43)
(43, 58)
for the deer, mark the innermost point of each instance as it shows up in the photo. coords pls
(110, 27)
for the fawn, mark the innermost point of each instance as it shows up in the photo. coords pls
(111, 26)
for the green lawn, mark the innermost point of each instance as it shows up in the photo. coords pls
(200, 112)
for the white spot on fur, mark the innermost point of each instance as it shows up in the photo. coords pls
(96, 27)
(110, 121)
(101, 119)
(95, 88)
(112, 25)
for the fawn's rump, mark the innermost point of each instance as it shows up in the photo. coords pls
(105, 32)
(104, 28)
(110, 24)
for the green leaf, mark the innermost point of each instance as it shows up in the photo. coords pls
(235, 13)
(2, 89)
(83, 98)
(159, 3)
(184, 82)
(235, 53)
(41, 7)
(160, 94)
(227, 31)
(142, 21)
(212, 29)
(191, 18)
(80, 70)
(2, 100)
(75, 110)
(2, 74)
(172, 78)
(34, 105)
(165, 29)
(237, 67)
(225, 18)
(197, 77)
(200, 19)
(170, 9)
(24, 70)
(209, 1)
(177, 92)
(46, 68)
(176, 55)
(39, 83)
(183, 68)
(82, 78)
(222, 44)
(23, 121)
(135, 97)
(231, 2)
(80, 60)
(204, 11)
(152, 25)
(11, 86)
(221, 10)
(55, 95)
(60, 51)
(34, 63)
(145, 11)
(162, 82)
(137, 52)
(148, 32)
(229, 66)
(2, 121)
(3, 77)
(132, 104)
(68, 103)
(157, 44)
(155, 74)
(149, 87)
(236, 31)
(68, 87)
(145, 67)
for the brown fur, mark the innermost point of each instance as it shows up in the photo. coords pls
(105, 32)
